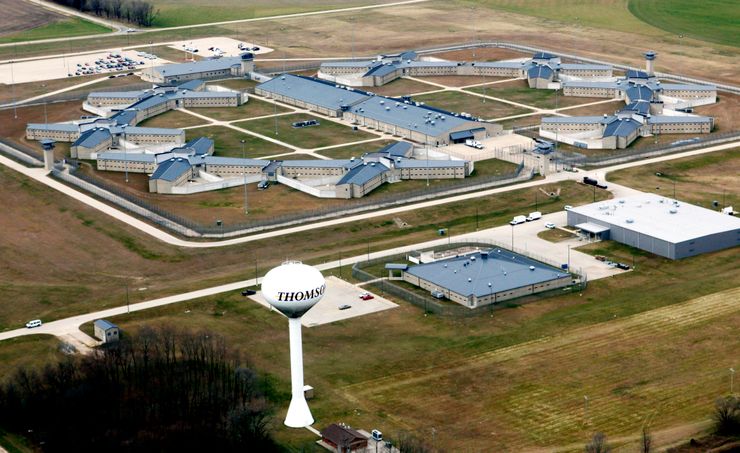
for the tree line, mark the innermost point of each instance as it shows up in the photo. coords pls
(161, 390)
(138, 12)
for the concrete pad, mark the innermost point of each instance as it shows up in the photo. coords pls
(229, 46)
(338, 292)
(59, 67)
(503, 147)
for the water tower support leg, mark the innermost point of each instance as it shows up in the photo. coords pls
(299, 415)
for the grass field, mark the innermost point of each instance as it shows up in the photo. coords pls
(402, 87)
(228, 142)
(174, 119)
(699, 179)
(459, 102)
(714, 22)
(519, 91)
(57, 29)
(235, 84)
(31, 89)
(345, 152)
(252, 108)
(326, 134)
(103, 254)
(174, 13)
(517, 379)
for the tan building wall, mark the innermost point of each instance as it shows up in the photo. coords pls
(60, 136)
(591, 92)
(149, 138)
(132, 167)
(231, 170)
(682, 128)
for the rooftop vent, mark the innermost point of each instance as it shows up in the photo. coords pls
(630, 220)
(472, 258)
(673, 210)
(470, 279)
(531, 268)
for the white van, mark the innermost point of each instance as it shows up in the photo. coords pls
(377, 435)
(474, 144)
(34, 323)
(517, 220)
(536, 215)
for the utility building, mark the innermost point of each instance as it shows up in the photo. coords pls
(658, 225)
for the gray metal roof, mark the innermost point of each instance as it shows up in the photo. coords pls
(409, 116)
(105, 325)
(622, 127)
(198, 66)
(639, 93)
(589, 84)
(92, 138)
(312, 91)
(147, 130)
(502, 64)
(540, 72)
(585, 66)
(594, 228)
(119, 94)
(503, 269)
(361, 174)
(633, 74)
(171, 169)
(688, 87)
(573, 119)
(382, 70)
(321, 163)
(62, 127)
(348, 64)
(650, 214)
(216, 160)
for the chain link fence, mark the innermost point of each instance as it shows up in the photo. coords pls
(435, 306)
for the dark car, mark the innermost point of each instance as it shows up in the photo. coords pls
(248, 292)
(623, 266)
(345, 307)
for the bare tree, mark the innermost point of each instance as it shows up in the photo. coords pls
(598, 444)
(647, 441)
(727, 416)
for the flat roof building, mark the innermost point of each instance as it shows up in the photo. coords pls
(486, 277)
(658, 225)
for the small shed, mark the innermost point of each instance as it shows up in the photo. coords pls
(106, 331)
(395, 271)
(342, 438)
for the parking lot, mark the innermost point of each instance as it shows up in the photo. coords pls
(338, 293)
(68, 66)
(225, 47)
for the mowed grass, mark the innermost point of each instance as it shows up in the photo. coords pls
(228, 142)
(516, 379)
(457, 102)
(715, 21)
(250, 109)
(58, 29)
(402, 87)
(346, 152)
(174, 13)
(235, 84)
(698, 179)
(173, 119)
(327, 133)
(519, 91)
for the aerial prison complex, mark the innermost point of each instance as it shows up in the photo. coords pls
(176, 167)
(653, 108)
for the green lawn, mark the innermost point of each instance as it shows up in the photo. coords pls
(456, 102)
(250, 109)
(716, 21)
(345, 152)
(174, 13)
(228, 142)
(519, 91)
(65, 28)
(326, 134)
(174, 119)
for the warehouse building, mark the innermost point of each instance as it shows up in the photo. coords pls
(656, 224)
(401, 118)
(219, 68)
(486, 277)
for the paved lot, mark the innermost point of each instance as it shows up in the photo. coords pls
(339, 292)
(229, 46)
(59, 67)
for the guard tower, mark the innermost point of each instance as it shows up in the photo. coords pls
(48, 146)
(247, 60)
(649, 59)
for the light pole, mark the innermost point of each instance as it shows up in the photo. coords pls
(427, 149)
(128, 307)
(490, 297)
(633, 264)
(585, 408)
(125, 157)
(244, 172)
(512, 238)
(12, 84)
(732, 381)
(274, 104)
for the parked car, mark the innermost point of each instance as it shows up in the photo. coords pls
(366, 296)
(518, 219)
(568, 207)
(623, 266)
(248, 292)
(34, 323)
(549, 225)
(536, 215)
(345, 307)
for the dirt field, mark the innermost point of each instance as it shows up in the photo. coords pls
(726, 112)
(485, 54)
(20, 16)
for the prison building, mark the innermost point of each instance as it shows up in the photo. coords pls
(690, 95)
(150, 135)
(220, 68)
(170, 173)
(316, 168)
(584, 70)
(127, 162)
(486, 278)
(361, 180)
(659, 225)
(113, 98)
(540, 76)
(433, 169)
(90, 143)
(517, 68)
(229, 167)
(416, 122)
(591, 89)
(60, 132)
(311, 94)
(680, 124)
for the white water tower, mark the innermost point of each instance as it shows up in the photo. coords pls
(293, 288)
